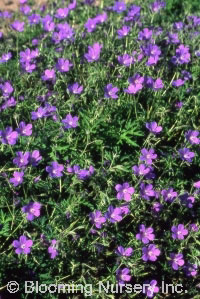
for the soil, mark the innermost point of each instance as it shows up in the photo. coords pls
(13, 5)
(9, 5)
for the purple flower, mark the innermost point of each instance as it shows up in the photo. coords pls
(152, 60)
(194, 20)
(121, 251)
(34, 19)
(11, 102)
(182, 55)
(8, 136)
(18, 26)
(35, 42)
(49, 75)
(157, 5)
(124, 209)
(133, 13)
(90, 25)
(152, 289)
(124, 31)
(50, 110)
(158, 84)
(24, 130)
(35, 53)
(186, 75)
(101, 18)
(63, 65)
(197, 184)
(123, 275)
(17, 178)
(75, 88)
(29, 68)
(176, 260)
(125, 59)
(148, 156)
(23, 245)
(74, 169)
(57, 37)
(48, 24)
(169, 194)
(6, 14)
(186, 155)
(37, 179)
(146, 191)
(146, 234)
(145, 34)
(136, 84)
(70, 122)
(22, 159)
(153, 127)
(190, 269)
(6, 89)
(124, 191)
(187, 200)
(191, 136)
(153, 52)
(157, 207)
(62, 13)
(178, 83)
(65, 32)
(72, 5)
(178, 232)
(93, 52)
(141, 170)
(68, 215)
(25, 9)
(110, 91)
(150, 253)
(27, 55)
(178, 25)
(197, 53)
(84, 174)
(114, 214)
(35, 158)
(97, 219)
(148, 81)
(119, 6)
(52, 249)
(173, 38)
(193, 227)
(55, 170)
(32, 210)
(41, 112)
(5, 57)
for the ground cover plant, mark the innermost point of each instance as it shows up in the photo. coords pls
(99, 148)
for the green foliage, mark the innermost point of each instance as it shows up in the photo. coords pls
(110, 136)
